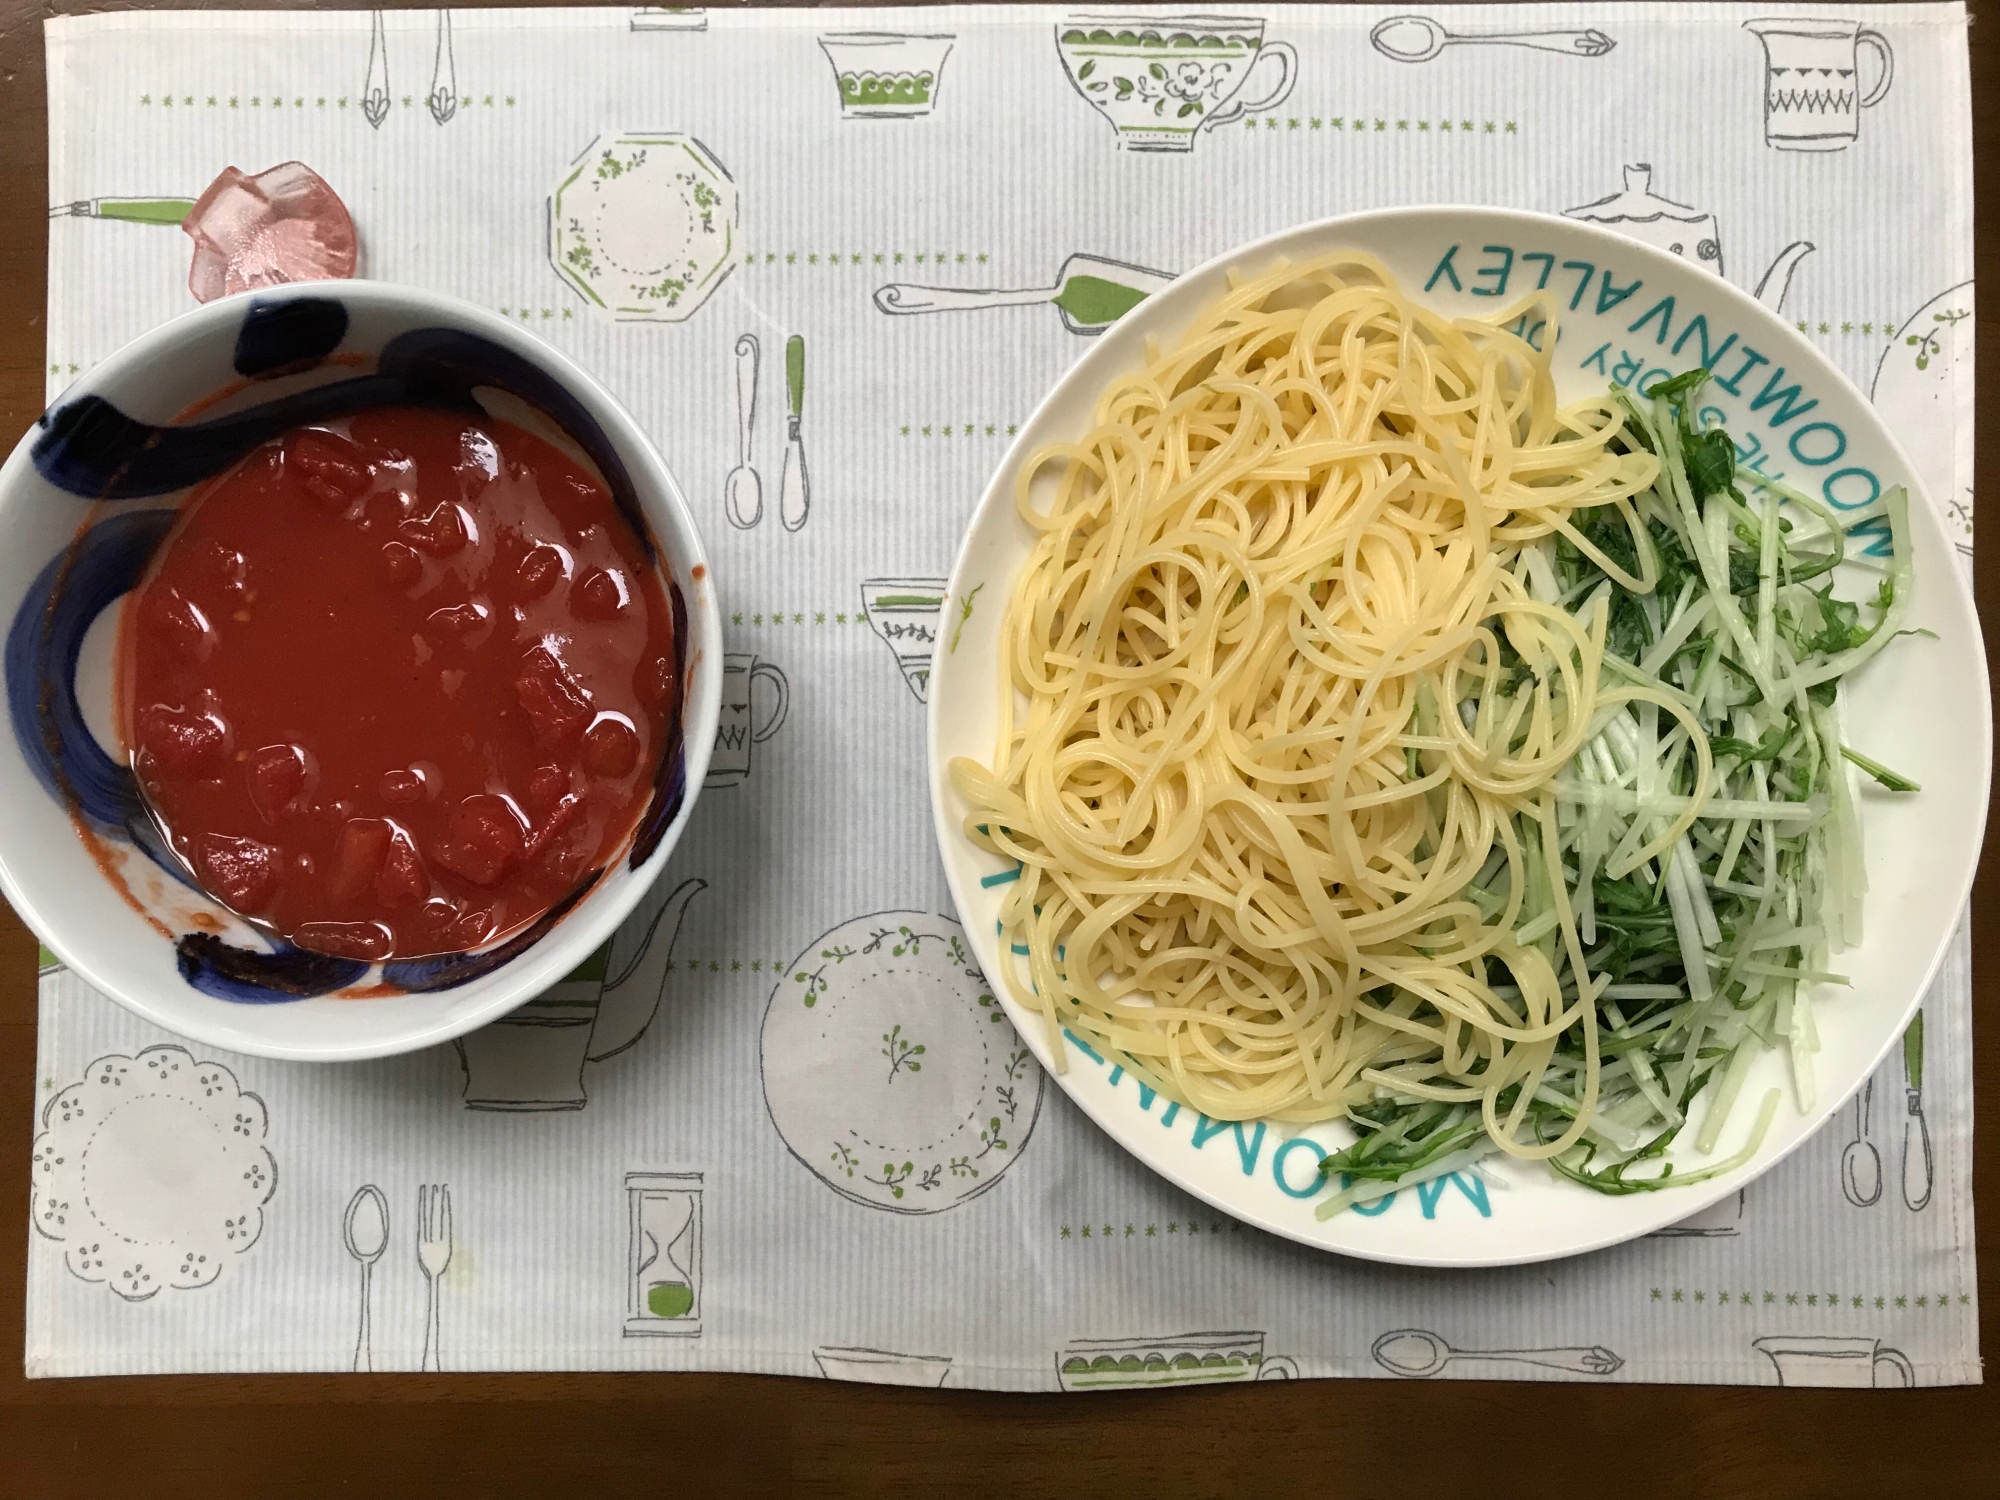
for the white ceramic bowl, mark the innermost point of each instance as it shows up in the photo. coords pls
(1922, 706)
(266, 361)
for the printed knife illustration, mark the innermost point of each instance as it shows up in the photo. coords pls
(1917, 1164)
(1090, 292)
(794, 489)
(168, 211)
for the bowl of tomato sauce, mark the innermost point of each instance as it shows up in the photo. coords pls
(362, 666)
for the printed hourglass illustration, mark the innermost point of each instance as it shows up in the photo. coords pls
(663, 1294)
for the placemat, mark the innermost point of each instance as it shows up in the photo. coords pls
(894, 229)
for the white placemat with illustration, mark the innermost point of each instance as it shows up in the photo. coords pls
(831, 260)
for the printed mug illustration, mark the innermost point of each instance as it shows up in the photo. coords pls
(375, 83)
(1161, 80)
(1692, 233)
(1825, 1359)
(152, 1172)
(669, 18)
(881, 1366)
(794, 487)
(280, 225)
(531, 1059)
(433, 1255)
(738, 732)
(1860, 1162)
(1416, 39)
(1812, 80)
(1721, 1220)
(1919, 1170)
(1417, 1353)
(1923, 389)
(886, 75)
(1090, 292)
(1176, 1359)
(743, 490)
(904, 612)
(443, 97)
(663, 1267)
(364, 1230)
(644, 226)
(889, 1068)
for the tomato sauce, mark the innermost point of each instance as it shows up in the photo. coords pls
(394, 685)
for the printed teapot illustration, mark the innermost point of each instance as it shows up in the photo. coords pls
(1691, 233)
(532, 1058)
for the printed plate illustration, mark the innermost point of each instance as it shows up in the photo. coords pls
(663, 1264)
(889, 1068)
(881, 1366)
(1923, 389)
(1160, 80)
(1417, 1353)
(739, 731)
(644, 226)
(1641, 214)
(904, 613)
(1416, 39)
(885, 75)
(1826, 1359)
(1812, 70)
(433, 1256)
(1091, 294)
(152, 1171)
(1174, 1359)
(364, 1230)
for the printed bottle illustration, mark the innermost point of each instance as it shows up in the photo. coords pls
(1924, 391)
(1812, 80)
(743, 490)
(433, 1256)
(794, 486)
(886, 75)
(531, 1059)
(364, 1230)
(663, 1267)
(904, 612)
(151, 1171)
(739, 731)
(375, 84)
(669, 18)
(1171, 1359)
(644, 226)
(1161, 80)
(1919, 1169)
(1090, 292)
(881, 1366)
(1419, 1353)
(1639, 213)
(1825, 1359)
(443, 97)
(889, 1068)
(1860, 1162)
(1416, 39)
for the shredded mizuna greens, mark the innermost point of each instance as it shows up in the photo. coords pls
(1712, 953)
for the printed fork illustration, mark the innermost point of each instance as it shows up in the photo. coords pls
(433, 1254)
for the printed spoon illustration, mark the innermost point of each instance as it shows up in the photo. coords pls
(443, 98)
(1417, 1353)
(1860, 1162)
(1091, 294)
(366, 1231)
(743, 491)
(795, 489)
(1917, 1162)
(1415, 39)
(375, 89)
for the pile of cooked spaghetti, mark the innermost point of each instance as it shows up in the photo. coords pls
(1327, 730)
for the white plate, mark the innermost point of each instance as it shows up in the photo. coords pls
(1921, 707)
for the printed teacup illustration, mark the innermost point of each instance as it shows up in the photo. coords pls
(364, 1230)
(1174, 1359)
(881, 1366)
(740, 730)
(152, 1172)
(669, 18)
(743, 490)
(663, 1269)
(1090, 292)
(885, 75)
(1825, 1359)
(644, 226)
(1162, 80)
(1638, 213)
(1923, 389)
(904, 612)
(532, 1059)
(1419, 1353)
(1812, 80)
(889, 1068)
(1416, 39)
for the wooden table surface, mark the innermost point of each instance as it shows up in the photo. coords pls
(443, 1436)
